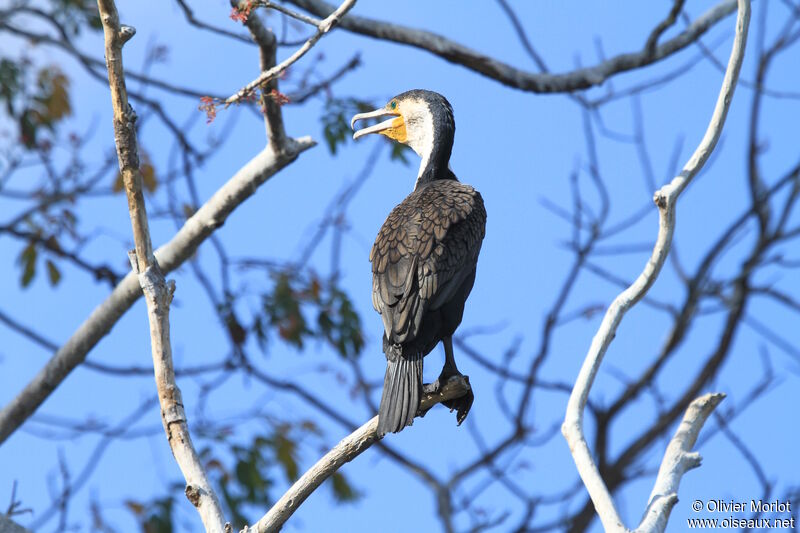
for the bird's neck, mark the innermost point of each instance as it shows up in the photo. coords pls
(435, 164)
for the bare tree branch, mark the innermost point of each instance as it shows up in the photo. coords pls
(7, 526)
(666, 200)
(158, 293)
(575, 80)
(322, 28)
(678, 459)
(348, 449)
(304, 93)
(288, 12)
(663, 26)
(194, 21)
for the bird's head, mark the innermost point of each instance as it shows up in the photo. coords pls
(421, 119)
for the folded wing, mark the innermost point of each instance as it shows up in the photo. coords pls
(427, 247)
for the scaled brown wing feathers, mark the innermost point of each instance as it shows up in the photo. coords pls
(426, 248)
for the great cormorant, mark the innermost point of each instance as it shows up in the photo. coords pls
(424, 257)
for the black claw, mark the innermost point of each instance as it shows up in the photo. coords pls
(461, 405)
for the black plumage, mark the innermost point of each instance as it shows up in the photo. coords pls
(424, 259)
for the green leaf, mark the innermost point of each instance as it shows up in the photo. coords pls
(247, 474)
(340, 324)
(285, 451)
(28, 260)
(293, 297)
(282, 308)
(28, 127)
(154, 516)
(342, 490)
(250, 473)
(53, 95)
(53, 274)
(160, 519)
(135, 507)
(9, 83)
(336, 120)
(399, 153)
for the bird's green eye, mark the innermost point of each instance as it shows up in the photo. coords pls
(393, 104)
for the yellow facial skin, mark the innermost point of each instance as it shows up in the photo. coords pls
(397, 131)
(393, 128)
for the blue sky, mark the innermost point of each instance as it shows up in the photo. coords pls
(517, 149)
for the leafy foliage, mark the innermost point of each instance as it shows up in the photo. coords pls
(43, 235)
(293, 297)
(339, 323)
(336, 120)
(285, 452)
(34, 102)
(250, 482)
(343, 491)
(28, 260)
(154, 516)
(400, 153)
(74, 15)
(10, 83)
(337, 131)
(53, 273)
(257, 467)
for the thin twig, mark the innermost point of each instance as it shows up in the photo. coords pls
(322, 28)
(288, 12)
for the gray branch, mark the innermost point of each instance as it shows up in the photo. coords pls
(506, 74)
(348, 449)
(666, 200)
(9, 526)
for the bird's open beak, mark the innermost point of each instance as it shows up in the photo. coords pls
(393, 124)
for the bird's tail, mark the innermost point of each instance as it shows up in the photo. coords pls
(402, 387)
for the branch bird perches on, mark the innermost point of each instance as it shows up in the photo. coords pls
(348, 449)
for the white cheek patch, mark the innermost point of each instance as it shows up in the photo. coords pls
(419, 131)
(419, 127)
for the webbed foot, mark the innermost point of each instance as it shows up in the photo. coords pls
(461, 404)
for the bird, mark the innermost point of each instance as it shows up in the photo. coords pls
(424, 258)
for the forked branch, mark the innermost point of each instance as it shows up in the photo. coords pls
(157, 292)
(665, 493)
(323, 27)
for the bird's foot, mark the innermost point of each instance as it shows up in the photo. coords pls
(461, 405)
